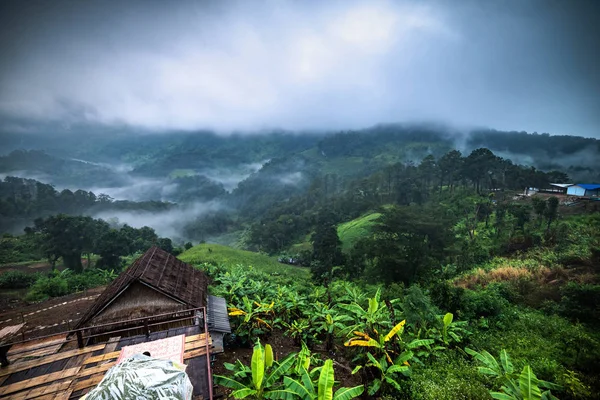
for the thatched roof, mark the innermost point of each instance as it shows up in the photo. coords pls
(162, 272)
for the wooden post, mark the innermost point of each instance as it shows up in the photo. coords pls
(3, 352)
(146, 327)
(79, 339)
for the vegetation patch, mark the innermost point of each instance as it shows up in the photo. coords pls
(216, 254)
(352, 231)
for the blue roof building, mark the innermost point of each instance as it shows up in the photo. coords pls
(584, 190)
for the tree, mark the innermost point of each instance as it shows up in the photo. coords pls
(478, 166)
(552, 210)
(406, 242)
(449, 167)
(327, 252)
(111, 246)
(67, 237)
(539, 206)
(166, 244)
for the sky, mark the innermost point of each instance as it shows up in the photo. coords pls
(528, 65)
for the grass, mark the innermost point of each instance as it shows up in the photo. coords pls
(350, 232)
(23, 263)
(222, 255)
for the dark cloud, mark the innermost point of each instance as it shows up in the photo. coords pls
(524, 65)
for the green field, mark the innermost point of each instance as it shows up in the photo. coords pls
(351, 231)
(222, 255)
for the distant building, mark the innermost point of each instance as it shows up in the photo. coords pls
(560, 187)
(584, 190)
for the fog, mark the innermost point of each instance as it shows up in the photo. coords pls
(236, 65)
(168, 223)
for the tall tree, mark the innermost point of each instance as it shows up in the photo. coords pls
(67, 237)
(327, 252)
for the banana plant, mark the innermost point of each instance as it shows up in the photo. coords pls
(262, 379)
(515, 386)
(328, 322)
(369, 319)
(299, 330)
(305, 388)
(387, 371)
(254, 318)
(385, 344)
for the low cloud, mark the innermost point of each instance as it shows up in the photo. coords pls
(168, 223)
(234, 65)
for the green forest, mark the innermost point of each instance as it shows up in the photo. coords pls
(398, 264)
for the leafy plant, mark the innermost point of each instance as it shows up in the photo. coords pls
(385, 344)
(523, 386)
(305, 388)
(369, 319)
(328, 322)
(253, 318)
(387, 371)
(261, 380)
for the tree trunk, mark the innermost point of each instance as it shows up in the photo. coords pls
(73, 262)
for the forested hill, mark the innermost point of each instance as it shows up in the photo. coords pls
(250, 180)
(24, 200)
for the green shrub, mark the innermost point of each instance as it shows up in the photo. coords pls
(486, 302)
(57, 283)
(447, 296)
(15, 279)
(48, 286)
(447, 377)
(580, 302)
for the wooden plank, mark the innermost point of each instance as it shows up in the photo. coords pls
(46, 351)
(96, 370)
(41, 391)
(197, 344)
(194, 353)
(102, 357)
(11, 369)
(86, 383)
(112, 344)
(40, 380)
(193, 338)
(64, 395)
(8, 332)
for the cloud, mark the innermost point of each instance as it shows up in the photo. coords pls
(301, 65)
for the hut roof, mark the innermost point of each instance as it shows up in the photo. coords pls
(163, 272)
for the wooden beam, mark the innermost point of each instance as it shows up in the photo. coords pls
(86, 383)
(11, 369)
(40, 380)
(96, 370)
(102, 357)
(43, 390)
(194, 353)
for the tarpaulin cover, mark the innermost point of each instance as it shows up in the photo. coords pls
(142, 377)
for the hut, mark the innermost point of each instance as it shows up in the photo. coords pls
(560, 188)
(157, 287)
(584, 190)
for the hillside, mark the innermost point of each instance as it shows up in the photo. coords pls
(352, 231)
(216, 254)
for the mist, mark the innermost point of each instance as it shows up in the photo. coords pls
(168, 223)
(234, 65)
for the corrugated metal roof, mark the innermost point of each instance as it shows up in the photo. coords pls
(589, 186)
(161, 271)
(218, 317)
(562, 185)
